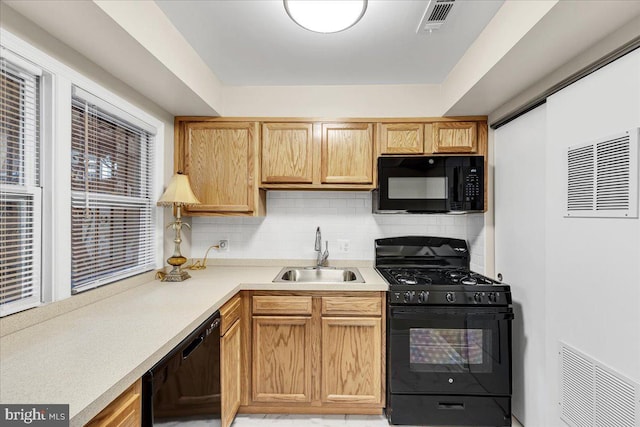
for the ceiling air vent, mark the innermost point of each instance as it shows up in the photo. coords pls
(602, 177)
(435, 15)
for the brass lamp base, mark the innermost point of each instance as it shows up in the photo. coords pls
(176, 274)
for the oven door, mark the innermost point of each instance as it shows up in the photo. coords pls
(450, 350)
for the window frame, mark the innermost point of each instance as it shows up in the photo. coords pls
(29, 187)
(55, 173)
(97, 110)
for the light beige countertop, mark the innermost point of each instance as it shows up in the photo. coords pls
(88, 356)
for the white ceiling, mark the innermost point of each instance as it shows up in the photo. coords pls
(528, 46)
(253, 42)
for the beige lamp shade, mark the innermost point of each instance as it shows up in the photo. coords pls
(178, 192)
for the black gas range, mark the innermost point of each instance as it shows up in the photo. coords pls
(442, 285)
(448, 335)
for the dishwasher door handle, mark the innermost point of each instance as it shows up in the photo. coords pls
(191, 347)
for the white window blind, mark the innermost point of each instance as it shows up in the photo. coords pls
(112, 211)
(20, 191)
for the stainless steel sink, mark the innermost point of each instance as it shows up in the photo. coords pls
(319, 275)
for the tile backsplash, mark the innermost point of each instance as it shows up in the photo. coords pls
(288, 230)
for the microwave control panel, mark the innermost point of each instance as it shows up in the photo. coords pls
(472, 185)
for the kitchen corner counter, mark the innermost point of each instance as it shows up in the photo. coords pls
(90, 355)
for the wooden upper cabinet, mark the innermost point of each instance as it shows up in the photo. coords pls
(455, 137)
(347, 153)
(401, 138)
(221, 161)
(287, 153)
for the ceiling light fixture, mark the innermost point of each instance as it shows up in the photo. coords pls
(325, 16)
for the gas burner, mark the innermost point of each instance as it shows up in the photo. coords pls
(456, 275)
(468, 280)
(482, 280)
(411, 278)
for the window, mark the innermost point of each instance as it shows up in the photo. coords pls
(20, 186)
(77, 170)
(112, 206)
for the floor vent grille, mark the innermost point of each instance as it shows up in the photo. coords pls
(593, 395)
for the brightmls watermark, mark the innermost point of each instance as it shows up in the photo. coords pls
(34, 415)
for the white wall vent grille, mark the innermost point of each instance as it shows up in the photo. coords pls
(602, 177)
(580, 183)
(435, 15)
(593, 395)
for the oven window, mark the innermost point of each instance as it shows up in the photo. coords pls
(450, 350)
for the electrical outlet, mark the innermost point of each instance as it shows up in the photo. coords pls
(224, 245)
(343, 245)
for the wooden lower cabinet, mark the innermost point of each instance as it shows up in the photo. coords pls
(124, 411)
(281, 364)
(231, 359)
(230, 373)
(351, 360)
(326, 355)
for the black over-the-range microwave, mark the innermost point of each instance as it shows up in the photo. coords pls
(429, 184)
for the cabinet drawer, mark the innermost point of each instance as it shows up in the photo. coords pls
(351, 306)
(229, 313)
(287, 305)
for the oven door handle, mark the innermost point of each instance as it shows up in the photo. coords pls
(409, 314)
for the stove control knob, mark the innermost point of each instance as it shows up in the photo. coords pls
(451, 297)
(422, 297)
(477, 297)
(407, 296)
(493, 297)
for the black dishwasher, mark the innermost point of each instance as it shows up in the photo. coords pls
(185, 384)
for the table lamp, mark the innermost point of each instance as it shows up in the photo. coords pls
(177, 195)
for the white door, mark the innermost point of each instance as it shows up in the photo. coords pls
(519, 252)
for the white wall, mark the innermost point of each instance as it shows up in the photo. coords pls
(520, 201)
(333, 101)
(288, 230)
(577, 280)
(592, 265)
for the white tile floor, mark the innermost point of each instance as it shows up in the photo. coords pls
(301, 421)
(316, 420)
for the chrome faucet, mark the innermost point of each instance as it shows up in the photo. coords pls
(322, 256)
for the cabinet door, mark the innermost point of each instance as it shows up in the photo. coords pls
(281, 370)
(401, 138)
(352, 360)
(455, 137)
(124, 411)
(230, 373)
(287, 153)
(347, 153)
(220, 161)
